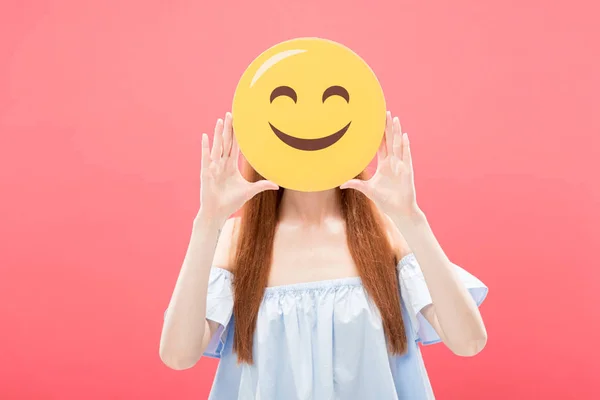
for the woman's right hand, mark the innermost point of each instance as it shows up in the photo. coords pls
(223, 189)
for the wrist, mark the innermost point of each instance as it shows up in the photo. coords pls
(410, 218)
(206, 219)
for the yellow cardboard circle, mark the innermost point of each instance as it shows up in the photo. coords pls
(309, 114)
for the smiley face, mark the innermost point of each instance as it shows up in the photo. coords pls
(309, 114)
(310, 144)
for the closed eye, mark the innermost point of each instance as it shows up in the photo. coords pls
(284, 91)
(336, 91)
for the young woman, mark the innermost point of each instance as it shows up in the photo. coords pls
(319, 295)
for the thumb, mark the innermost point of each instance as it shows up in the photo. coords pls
(261, 186)
(356, 184)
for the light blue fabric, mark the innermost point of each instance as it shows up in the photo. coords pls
(325, 340)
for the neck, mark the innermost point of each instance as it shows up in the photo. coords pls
(310, 207)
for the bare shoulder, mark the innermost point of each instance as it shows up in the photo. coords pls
(226, 245)
(395, 236)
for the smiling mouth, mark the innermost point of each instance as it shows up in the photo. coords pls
(310, 144)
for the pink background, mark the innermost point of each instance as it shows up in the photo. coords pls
(102, 104)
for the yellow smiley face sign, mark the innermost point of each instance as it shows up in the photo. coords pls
(309, 114)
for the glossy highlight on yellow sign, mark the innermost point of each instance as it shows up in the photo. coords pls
(309, 114)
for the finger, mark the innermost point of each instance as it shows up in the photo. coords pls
(217, 148)
(397, 120)
(406, 155)
(205, 151)
(397, 143)
(397, 166)
(381, 151)
(235, 151)
(388, 134)
(261, 186)
(227, 135)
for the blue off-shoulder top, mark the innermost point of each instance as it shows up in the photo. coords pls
(325, 340)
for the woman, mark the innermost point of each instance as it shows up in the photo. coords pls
(317, 295)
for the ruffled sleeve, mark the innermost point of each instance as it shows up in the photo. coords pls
(219, 308)
(415, 295)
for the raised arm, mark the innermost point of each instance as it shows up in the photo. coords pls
(453, 313)
(223, 190)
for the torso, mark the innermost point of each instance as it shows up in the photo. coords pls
(314, 313)
(321, 339)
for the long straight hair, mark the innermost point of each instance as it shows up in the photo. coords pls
(369, 246)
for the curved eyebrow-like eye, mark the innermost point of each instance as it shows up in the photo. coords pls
(284, 91)
(336, 91)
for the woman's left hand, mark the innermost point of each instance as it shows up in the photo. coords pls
(392, 188)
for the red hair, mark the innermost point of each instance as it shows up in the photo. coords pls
(369, 246)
